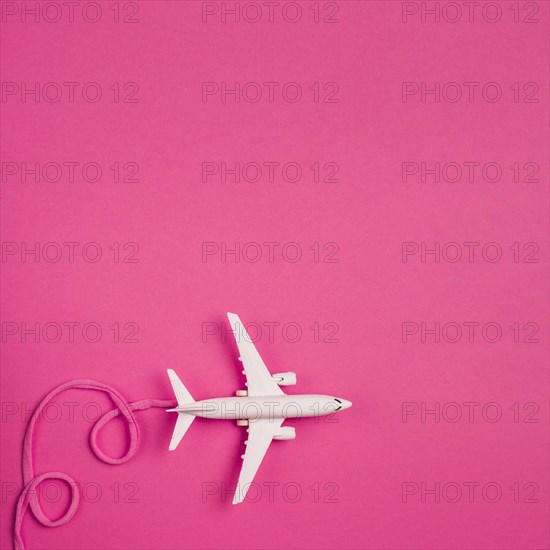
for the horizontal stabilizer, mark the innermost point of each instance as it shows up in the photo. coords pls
(182, 424)
(182, 395)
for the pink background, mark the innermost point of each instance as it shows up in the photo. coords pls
(368, 452)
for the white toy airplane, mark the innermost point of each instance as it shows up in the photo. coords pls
(263, 407)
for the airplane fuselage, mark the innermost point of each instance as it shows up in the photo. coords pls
(265, 406)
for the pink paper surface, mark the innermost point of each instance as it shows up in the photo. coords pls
(354, 315)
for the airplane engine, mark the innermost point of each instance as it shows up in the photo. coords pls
(285, 378)
(286, 433)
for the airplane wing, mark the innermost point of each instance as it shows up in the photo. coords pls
(259, 381)
(260, 435)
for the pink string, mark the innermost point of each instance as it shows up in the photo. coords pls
(29, 497)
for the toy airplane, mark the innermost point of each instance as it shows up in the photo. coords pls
(263, 407)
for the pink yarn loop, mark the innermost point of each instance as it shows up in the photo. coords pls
(29, 498)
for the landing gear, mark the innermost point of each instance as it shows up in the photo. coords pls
(241, 393)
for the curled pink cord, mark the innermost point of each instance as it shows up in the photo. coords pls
(28, 496)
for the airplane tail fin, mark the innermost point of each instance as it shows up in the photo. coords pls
(182, 424)
(184, 420)
(182, 395)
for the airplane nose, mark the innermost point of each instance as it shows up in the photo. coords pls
(346, 404)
